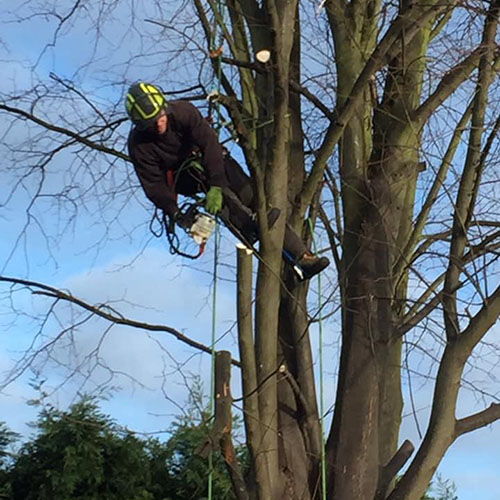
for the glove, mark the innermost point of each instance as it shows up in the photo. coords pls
(213, 201)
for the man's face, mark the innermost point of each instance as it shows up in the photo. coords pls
(160, 126)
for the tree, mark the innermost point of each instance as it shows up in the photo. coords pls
(81, 453)
(7, 438)
(397, 169)
(444, 489)
(187, 469)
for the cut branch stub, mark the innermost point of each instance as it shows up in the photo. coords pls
(390, 470)
(220, 435)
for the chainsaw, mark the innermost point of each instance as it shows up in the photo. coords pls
(197, 224)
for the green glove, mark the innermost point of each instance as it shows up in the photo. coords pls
(213, 201)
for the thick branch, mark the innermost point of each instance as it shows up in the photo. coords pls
(478, 420)
(414, 316)
(482, 321)
(441, 431)
(393, 467)
(440, 24)
(448, 84)
(253, 65)
(294, 86)
(257, 24)
(220, 434)
(245, 341)
(336, 12)
(432, 195)
(469, 182)
(386, 50)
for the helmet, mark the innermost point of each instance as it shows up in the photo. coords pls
(144, 103)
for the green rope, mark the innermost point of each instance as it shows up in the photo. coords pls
(321, 381)
(214, 331)
(215, 265)
(321, 393)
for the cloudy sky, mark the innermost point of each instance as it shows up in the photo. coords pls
(99, 247)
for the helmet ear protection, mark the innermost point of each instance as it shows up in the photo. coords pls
(144, 103)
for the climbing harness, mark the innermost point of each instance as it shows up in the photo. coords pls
(193, 220)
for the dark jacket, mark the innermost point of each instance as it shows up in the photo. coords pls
(153, 155)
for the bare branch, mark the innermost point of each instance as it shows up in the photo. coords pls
(386, 50)
(448, 84)
(478, 420)
(105, 312)
(469, 182)
(437, 185)
(296, 87)
(482, 321)
(74, 135)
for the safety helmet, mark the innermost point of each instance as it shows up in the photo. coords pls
(144, 103)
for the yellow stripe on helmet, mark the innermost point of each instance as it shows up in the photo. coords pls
(154, 96)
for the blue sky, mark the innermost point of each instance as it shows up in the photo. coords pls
(107, 253)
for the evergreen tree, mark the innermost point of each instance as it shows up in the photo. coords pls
(7, 438)
(79, 454)
(82, 454)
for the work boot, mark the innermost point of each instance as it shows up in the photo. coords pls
(310, 265)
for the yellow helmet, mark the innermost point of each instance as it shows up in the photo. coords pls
(144, 103)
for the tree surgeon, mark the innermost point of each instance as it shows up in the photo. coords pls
(175, 150)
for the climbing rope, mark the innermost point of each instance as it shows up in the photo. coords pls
(213, 341)
(211, 104)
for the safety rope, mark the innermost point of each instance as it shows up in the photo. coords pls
(216, 241)
(213, 341)
(321, 381)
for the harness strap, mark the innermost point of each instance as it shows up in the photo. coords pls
(171, 181)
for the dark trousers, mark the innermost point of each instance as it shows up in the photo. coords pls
(239, 203)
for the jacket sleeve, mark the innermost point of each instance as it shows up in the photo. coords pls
(153, 179)
(203, 136)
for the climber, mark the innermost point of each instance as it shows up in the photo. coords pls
(175, 151)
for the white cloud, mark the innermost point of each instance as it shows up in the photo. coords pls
(149, 367)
